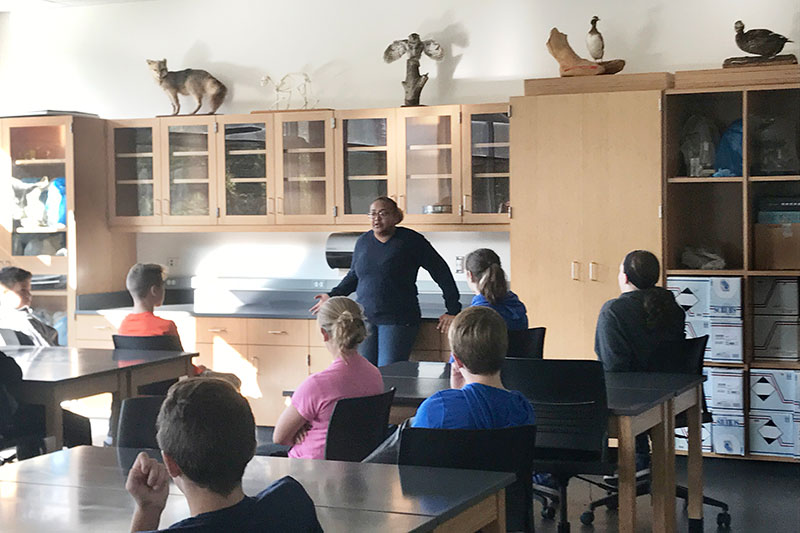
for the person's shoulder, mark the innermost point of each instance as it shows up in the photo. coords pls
(285, 491)
(286, 506)
(408, 234)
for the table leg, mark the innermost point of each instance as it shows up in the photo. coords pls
(695, 463)
(663, 471)
(53, 418)
(627, 476)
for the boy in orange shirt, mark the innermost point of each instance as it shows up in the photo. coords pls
(145, 282)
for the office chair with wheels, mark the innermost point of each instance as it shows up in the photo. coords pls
(569, 399)
(684, 356)
(526, 343)
(497, 450)
(358, 426)
(137, 422)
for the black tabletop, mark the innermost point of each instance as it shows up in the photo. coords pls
(56, 363)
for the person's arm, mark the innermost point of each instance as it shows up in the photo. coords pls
(148, 483)
(291, 427)
(10, 372)
(431, 261)
(610, 344)
(346, 287)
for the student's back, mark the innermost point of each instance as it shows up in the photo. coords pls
(474, 406)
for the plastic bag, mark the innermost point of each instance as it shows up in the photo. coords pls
(56, 204)
(702, 259)
(698, 141)
(728, 160)
(774, 148)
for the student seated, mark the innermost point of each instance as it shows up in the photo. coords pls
(16, 314)
(206, 433)
(477, 399)
(487, 280)
(304, 423)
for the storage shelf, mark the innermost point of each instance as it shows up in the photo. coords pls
(491, 145)
(491, 175)
(57, 292)
(775, 363)
(41, 229)
(729, 364)
(689, 272)
(306, 178)
(367, 149)
(23, 162)
(725, 179)
(247, 180)
(190, 153)
(188, 181)
(747, 457)
(368, 177)
(247, 152)
(134, 155)
(774, 273)
(429, 176)
(774, 178)
(135, 182)
(416, 147)
(304, 150)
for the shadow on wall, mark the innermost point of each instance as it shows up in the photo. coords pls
(453, 35)
(639, 51)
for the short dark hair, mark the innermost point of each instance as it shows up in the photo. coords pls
(143, 276)
(10, 276)
(479, 338)
(392, 205)
(208, 429)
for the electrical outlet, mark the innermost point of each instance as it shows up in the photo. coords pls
(172, 262)
(459, 264)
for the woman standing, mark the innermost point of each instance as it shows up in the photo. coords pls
(383, 274)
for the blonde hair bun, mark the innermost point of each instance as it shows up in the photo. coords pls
(344, 321)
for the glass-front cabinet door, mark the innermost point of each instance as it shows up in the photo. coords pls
(188, 161)
(429, 169)
(135, 190)
(486, 173)
(36, 204)
(366, 161)
(304, 168)
(245, 148)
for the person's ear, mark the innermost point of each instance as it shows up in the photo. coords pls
(325, 336)
(172, 467)
(457, 364)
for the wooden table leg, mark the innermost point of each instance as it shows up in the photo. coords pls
(627, 476)
(663, 471)
(488, 516)
(695, 463)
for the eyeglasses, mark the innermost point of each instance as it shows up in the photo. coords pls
(383, 213)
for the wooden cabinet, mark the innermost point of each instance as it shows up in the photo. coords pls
(134, 192)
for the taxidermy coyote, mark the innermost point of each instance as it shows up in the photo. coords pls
(195, 82)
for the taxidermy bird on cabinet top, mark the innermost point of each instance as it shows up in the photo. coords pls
(414, 47)
(761, 42)
(594, 41)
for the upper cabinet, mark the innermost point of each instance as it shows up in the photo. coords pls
(134, 190)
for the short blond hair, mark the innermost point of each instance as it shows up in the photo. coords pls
(143, 276)
(479, 338)
(343, 319)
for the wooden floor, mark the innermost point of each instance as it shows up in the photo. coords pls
(762, 496)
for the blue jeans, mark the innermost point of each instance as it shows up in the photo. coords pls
(388, 343)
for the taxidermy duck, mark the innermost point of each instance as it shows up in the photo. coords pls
(760, 42)
(594, 41)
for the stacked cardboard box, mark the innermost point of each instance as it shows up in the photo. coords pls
(776, 320)
(773, 417)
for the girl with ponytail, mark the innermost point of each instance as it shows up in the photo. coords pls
(304, 424)
(487, 280)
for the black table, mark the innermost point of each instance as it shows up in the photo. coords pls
(51, 375)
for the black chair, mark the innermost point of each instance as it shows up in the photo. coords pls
(497, 450)
(137, 422)
(358, 426)
(526, 343)
(569, 399)
(169, 343)
(684, 356)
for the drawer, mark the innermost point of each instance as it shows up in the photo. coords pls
(230, 330)
(428, 337)
(95, 327)
(277, 332)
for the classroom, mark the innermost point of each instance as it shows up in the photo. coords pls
(451, 266)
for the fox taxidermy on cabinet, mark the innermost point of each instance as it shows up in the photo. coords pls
(195, 82)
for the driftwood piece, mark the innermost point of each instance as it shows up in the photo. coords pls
(571, 64)
(750, 61)
(414, 47)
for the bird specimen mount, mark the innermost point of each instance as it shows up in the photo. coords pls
(414, 47)
(765, 44)
(594, 40)
(571, 64)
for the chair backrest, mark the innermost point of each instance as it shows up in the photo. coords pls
(358, 426)
(527, 343)
(569, 399)
(159, 342)
(137, 422)
(682, 356)
(10, 337)
(497, 450)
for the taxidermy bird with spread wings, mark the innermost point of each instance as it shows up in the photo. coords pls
(594, 41)
(414, 47)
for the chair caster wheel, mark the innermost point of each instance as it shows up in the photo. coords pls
(548, 512)
(724, 520)
(587, 517)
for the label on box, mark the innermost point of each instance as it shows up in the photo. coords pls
(774, 390)
(727, 432)
(776, 337)
(775, 296)
(772, 433)
(725, 298)
(726, 340)
(692, 294)
(698, 327)
(726, 386)
(796, 419)
(682, 438)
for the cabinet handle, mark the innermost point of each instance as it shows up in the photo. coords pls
(158, 207)
(402, 201)
(270, 204)
(166, 207)
(593, 270)
(255, 363)
(277, 332)
(576, 271)
(466, 203)
(279, 203)
(217, 330)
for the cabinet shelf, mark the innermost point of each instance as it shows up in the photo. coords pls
(247, 180)
(247, 152)
(723, 364)
(135, 182)
(430, 176)
(53, 293)
(491, 175)
(491, 145)
(304, 150)
(368, 177)
(134, 155)
(417, 147)
(41, 229)
(774, 273)
(690, 272)
(781, 364)
(189, 181)
(711, 179)
(23, 162)
(306, 178)
(774, 178)
(190, 153)
(367, 148)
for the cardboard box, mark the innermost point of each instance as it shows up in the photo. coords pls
(725, 298)
(776, 337)
(727, 431)
(726, 388)
(796, 419)
(777, 246)
(775, 296)
(772, 433)
(707, 387)
(726, 340)
(682, 438)
(692, 294)
(773, 390)
(697, 328)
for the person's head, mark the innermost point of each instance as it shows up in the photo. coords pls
(384, 215)
(15, 287)
(479, 340)
(638, 271)
(342, 323)
(145, 282)
(206, 433)
(485, 276)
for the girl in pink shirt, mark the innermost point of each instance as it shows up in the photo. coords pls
(304, 423)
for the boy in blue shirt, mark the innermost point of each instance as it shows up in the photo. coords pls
(206, 433)
(477, 399)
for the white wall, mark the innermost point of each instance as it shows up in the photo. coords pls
(92, 58)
